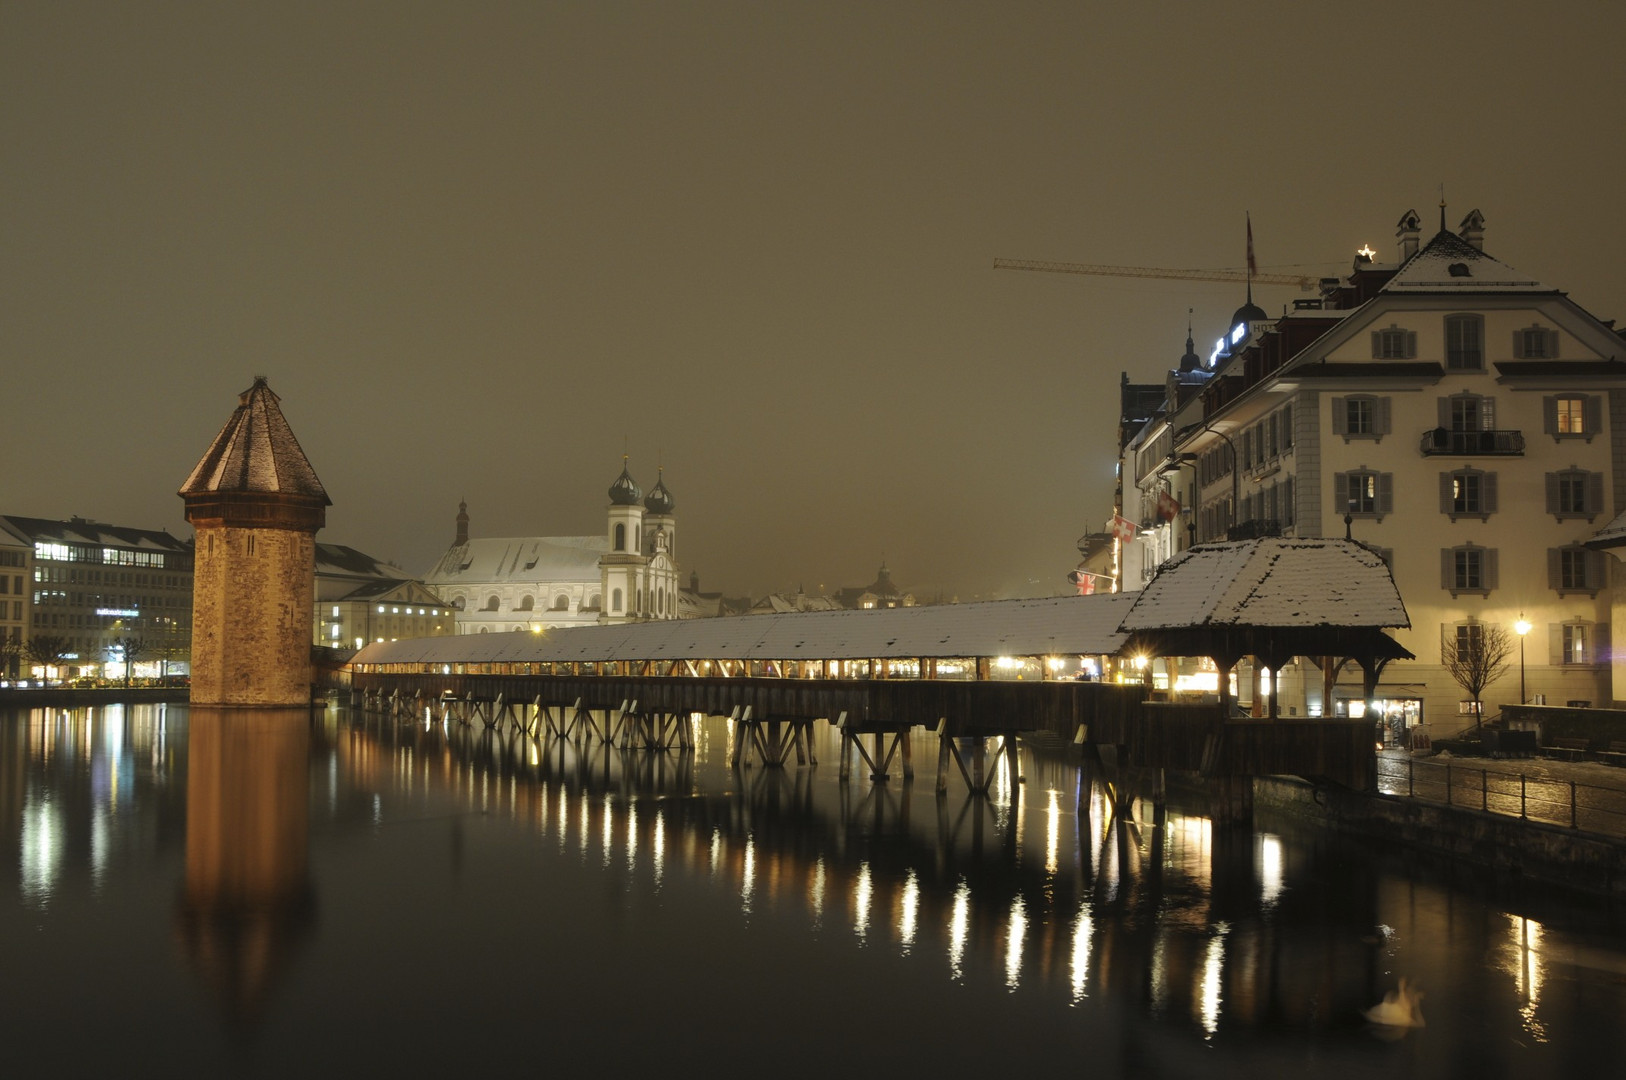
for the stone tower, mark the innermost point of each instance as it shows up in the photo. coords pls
(256, 504)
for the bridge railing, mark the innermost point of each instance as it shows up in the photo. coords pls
(1574, 804)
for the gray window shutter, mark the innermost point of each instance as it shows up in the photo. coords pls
(1386, 493)
(1555, 643)
(1445, 413)
(1592, 414)
(1596, 569)
(1377, 345)
(1287, 427)
(1340, 494)
(1381, 425)
(1552, 568)
(1551, 351)
(1448, 568)
(1594, 493)
(1411, 344)
(1518, 345)
(1340, 416)
(1549, 414)
(1446, 500)
(1487, 493)
(1552, 493)
(1487, 569)
(1600, 644)
(1288, 506)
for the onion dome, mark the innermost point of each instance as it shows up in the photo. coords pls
(1191, 361)
(659, 500)
(1249, 313)
(625, 491)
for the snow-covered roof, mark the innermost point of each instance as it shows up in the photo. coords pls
(1065, 625)
(521, 560)
(256, 452)
(1270, 582)
(1448, 263)
(1611, 535)
(94, 533)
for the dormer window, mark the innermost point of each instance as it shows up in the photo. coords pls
(1394, 344)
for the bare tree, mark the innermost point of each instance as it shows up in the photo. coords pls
(1476, 656)
(131, 649)
(11, 651)
(48, 650)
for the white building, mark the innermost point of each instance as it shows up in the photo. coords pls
(1469, 423)
(628, 574)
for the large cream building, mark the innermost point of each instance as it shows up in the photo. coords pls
(627, 574)
(1466, 419)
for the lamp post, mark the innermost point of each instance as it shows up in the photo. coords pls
(1522, 627)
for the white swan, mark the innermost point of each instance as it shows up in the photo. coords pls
(1400, 1008)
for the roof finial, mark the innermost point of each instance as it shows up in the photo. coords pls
(1442, 206)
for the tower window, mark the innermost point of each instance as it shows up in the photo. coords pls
(620, 540)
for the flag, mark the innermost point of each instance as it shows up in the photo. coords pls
(1167, 506)
(1123, 528)
(1253, 267)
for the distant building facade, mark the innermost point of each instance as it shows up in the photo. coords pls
(627, 574)
(96, 585)
(360, 599)
(16, 572)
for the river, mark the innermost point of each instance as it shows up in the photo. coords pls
(200, 893)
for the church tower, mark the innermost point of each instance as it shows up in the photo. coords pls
(622, 567)
(660, 548)
(256, 505)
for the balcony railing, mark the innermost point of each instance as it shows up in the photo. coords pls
(1472, 443)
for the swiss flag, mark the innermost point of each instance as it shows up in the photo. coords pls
(1123, 528)
(1168, 507)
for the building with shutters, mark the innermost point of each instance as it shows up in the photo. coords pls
(1457, 415)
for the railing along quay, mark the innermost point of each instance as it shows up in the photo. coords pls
(1572, 804)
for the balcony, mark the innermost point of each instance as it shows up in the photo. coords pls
(1472, 443)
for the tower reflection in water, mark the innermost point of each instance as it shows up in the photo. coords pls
(247, 902)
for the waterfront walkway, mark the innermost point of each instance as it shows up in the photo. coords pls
(1584, 795)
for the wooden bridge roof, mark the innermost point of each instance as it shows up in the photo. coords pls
(1066, 625)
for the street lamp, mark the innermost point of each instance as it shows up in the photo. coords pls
(1522, 627)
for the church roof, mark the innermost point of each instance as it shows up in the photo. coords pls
(256, 452)
(1448, 263)
(521, 559)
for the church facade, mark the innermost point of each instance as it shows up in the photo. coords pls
(535, 583)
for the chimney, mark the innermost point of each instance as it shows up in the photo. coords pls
(462, 523)
(1472, 229)
(1409, 229)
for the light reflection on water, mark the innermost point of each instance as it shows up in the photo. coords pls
(1129, 910)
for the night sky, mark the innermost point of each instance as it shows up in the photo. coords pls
(479, 249)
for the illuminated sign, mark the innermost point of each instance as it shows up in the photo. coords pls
(1238, 332)
(118, 612)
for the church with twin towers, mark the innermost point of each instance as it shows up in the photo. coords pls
(626, 574)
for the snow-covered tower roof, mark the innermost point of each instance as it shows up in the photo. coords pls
(255, 460)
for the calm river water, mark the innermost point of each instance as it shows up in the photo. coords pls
(191, 893)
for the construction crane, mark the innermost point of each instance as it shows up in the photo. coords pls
(1239, 276)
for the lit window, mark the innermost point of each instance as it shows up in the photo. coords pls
(1363, 493)
(335, 611)
(381, 611)
(1574, 642)
(1571, 415)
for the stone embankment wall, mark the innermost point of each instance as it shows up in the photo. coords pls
(1505, 845)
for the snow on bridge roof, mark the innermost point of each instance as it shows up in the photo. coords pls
(1271, 582)
(1066, 625)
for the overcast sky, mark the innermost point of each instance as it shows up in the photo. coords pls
(480, 248)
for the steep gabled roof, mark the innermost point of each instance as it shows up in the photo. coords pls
(256, 453)
(1448, 263)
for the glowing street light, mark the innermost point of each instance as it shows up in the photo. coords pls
(1522, 627)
